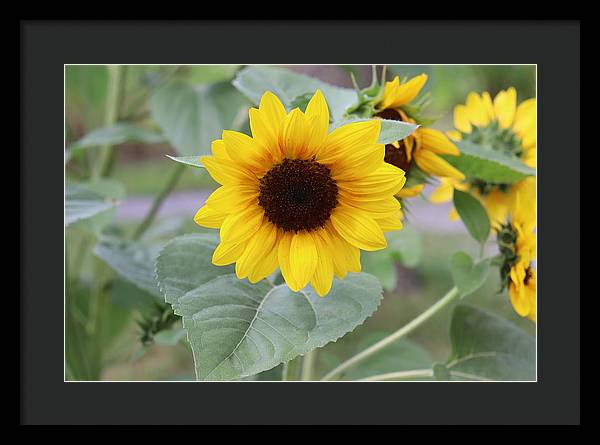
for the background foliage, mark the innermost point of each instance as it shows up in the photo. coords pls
(117, 326)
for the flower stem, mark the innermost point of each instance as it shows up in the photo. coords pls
(158, 200)
(308, 365)
(289, 371)
(110, 117)
(403, 331)
(400, 375)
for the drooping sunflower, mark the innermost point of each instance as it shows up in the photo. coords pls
(517, 245)
(299, 198)
(424, 145)
(503, 126)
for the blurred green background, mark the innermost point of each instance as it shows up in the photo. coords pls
(142, 168)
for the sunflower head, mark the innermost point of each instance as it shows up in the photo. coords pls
(297, 197)
(517, 245)
(421, 149)
(504, 127)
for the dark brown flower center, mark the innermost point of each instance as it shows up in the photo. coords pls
(395, 156)
(298, 195)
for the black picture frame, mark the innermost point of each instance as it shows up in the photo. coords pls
(45, 47)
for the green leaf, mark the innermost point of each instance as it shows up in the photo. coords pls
(404, 246)
(391, 131)
(192, 117)
(115, 135)
(109, 189)
(473, 215)
(194, 161)
(468, 277)
(82, 202)
(237, 329)
(380, 264)
(254, 81)
(488, 165)
(488, 347)
(131, 260)
(403, 355)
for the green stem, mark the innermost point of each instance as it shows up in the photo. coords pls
(159, 198)
(112, 110)
(403, 331)
(308, 365)
(400, 375)
(290, 370)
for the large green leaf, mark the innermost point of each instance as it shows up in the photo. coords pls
(254, 81)
(488, 165)
(192, 117)
(391, 131)
(473, 215)
(131, 260)
(488, 347)
(468, 277)
(402, 355)
(82, 202)
(237, 329)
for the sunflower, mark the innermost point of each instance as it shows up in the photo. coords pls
(517, 244)
(424, 145)
(299, 198)
(503, 126)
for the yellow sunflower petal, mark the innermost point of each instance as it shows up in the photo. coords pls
(387, 179)
(228, 253)
(454, 135)
(219, 150)
(265, 123)
(283, 257)
(265, 266)
(225, 171)
(346, 257)
(401, 94)
(478, 114)
(434, 165)
(377, 208)
(209, 217)
(505, 104)
(232, 198)
(461, 119)
(525, 116)
(349, 140)
(317, 115)
(303, 258)
(240, 226)
(258, 247)
(444, 192)
(437, 142)
(294, 136)
(486, 99)
(358, 228)
(323, 276)
(392, 222)
(245, 151)
(411, 192)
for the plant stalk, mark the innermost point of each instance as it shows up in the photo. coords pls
(308, 365)
(158, 200)
(110, 117)
(403, 331)
(290, 370)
